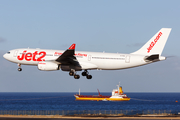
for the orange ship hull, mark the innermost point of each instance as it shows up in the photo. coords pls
(101, 98)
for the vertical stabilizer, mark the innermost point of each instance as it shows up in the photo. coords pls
(156, 44)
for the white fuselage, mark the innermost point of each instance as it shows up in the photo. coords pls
(87, 60)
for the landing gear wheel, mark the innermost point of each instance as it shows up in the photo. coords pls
(19, 69)
(84, 73)
(89, 76)
(76, 76)
(71, 73)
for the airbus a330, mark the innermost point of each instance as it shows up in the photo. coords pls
(73, 61)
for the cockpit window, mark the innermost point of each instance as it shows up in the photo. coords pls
(8, 52)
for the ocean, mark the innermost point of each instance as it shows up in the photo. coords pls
(66, 101)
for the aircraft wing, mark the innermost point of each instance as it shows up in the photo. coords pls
(68, 58)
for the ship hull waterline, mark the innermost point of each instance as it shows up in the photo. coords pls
(102, 99)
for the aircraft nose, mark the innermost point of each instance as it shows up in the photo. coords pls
(8, 56)
(5, 56)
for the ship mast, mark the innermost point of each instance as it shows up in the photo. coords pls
(98, 92)
(118, 87)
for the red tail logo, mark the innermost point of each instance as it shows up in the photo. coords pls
(154, 42)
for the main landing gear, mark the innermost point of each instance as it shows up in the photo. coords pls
(76, 76)
(73, 73)
(19, 69)
(86, 73)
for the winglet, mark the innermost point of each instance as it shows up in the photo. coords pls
(72, 47)
(68, 56)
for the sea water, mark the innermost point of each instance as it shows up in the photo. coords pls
(66, 101)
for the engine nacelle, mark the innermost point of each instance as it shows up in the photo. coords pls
(48, 66)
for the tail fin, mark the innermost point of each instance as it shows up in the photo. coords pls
(156, 44)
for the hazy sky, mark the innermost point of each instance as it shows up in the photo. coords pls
(94, 25)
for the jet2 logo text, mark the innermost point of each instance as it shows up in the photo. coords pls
(154, 42)
(32, 56)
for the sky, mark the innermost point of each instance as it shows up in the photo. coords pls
(113, 26)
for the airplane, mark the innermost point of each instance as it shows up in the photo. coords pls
(73, 61)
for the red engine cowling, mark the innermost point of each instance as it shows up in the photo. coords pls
(48, 66)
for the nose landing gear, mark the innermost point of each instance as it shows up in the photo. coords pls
(19, 69)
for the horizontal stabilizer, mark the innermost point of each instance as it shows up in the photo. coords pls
(152, 58)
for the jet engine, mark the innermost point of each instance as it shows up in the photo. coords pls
(48, 66)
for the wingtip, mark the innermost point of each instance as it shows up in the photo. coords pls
(72, 47)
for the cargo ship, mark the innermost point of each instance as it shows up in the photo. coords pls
(117, 95)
